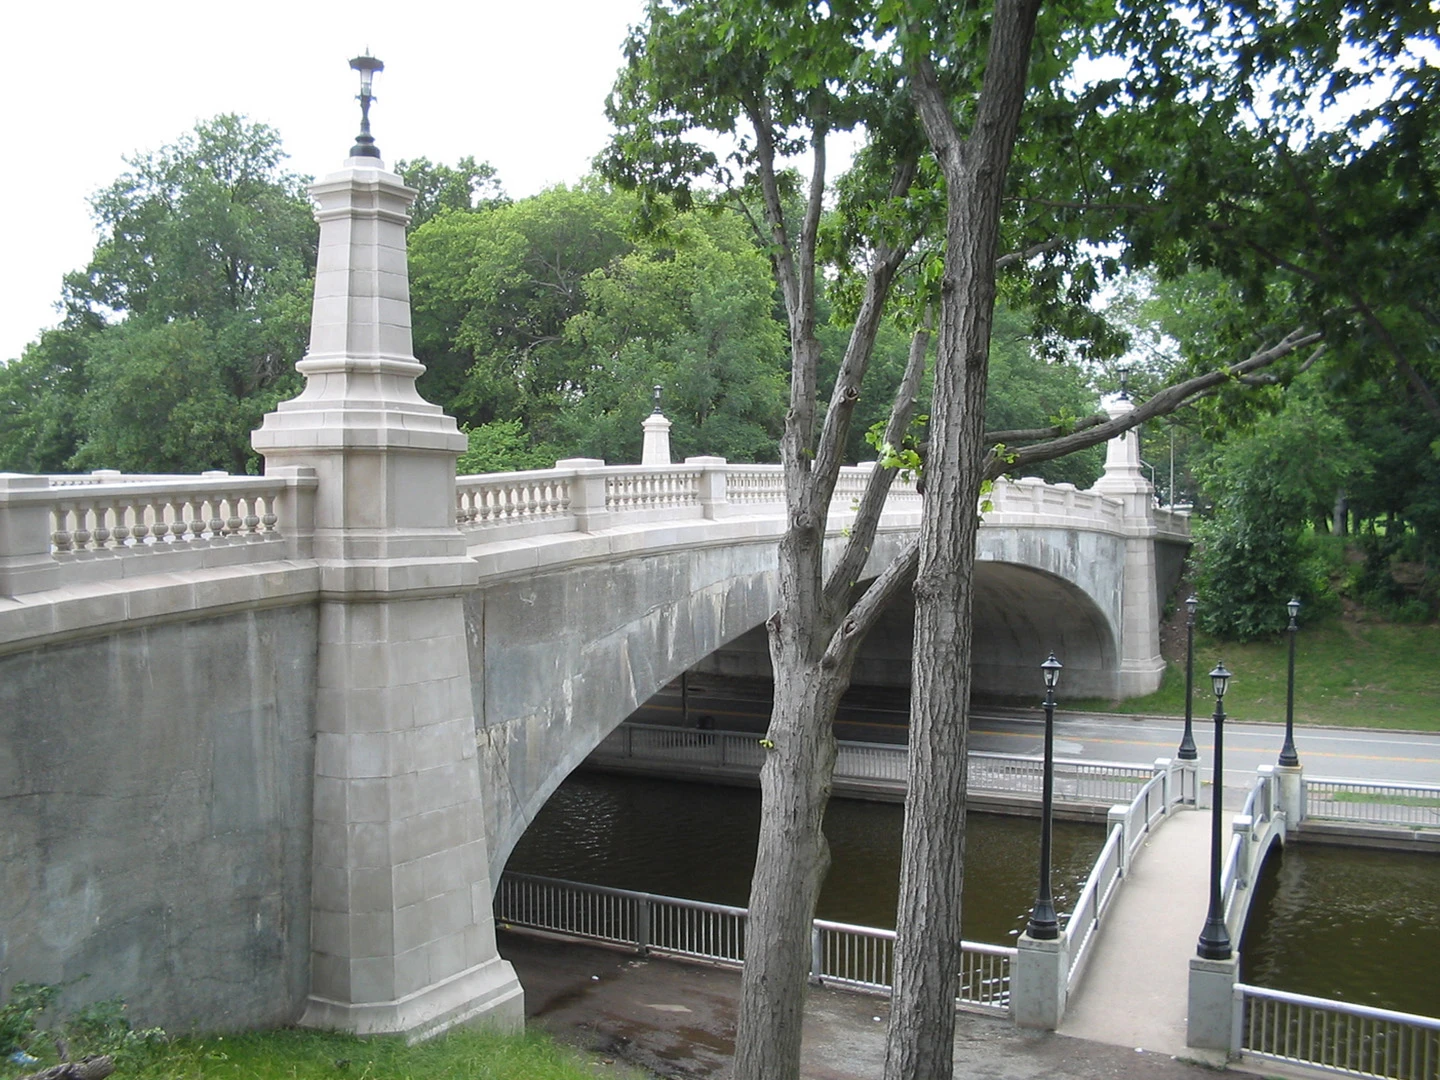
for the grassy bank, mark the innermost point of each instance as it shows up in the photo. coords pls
(1347, 674)
(308, 1055)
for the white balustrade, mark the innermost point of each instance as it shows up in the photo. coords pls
(70, 530)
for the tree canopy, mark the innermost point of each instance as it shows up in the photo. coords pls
(184, 328)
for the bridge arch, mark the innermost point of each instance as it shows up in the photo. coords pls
(558, 660)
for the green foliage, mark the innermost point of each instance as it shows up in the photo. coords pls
(549, 313)
(185, 326)
(290, 1054)
(692, 314)
(18, 1016)
(1265, 487)
(501, 446)
(444, 189)
(905, 457)
(491, 293)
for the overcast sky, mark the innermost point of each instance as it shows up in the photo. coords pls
(85, 84)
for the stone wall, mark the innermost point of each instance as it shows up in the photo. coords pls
(155, 807)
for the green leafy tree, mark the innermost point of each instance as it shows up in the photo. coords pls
(692, 313)
(492, 292)
(1265, 488)
(446, 188)
(186, 324)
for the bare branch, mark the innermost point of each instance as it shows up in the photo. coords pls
(1164, 402)
(1029, 253)
(1021, 435)
(872, 604)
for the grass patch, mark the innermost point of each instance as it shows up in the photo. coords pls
(1388, 800)
(288, 1054)
(1347, 674)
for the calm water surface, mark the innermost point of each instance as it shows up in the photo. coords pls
(1348, 923)
(698, 841)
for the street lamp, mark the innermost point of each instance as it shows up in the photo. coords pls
(1288, 757)
(1044, 926)
(1214, 941)
(367, 66)
(1124, 382)
(656, 390)
(1187, 751)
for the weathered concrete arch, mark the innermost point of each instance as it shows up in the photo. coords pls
(560, 659)
(1021, 615)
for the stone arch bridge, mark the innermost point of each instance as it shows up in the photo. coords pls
(265, 742)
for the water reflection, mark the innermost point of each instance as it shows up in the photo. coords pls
(1348, 923)
(698, 841)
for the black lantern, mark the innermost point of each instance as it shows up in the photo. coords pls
(1187, 751)
(1288, 757)
(1214, 941)
(1044, 925)
(367, 66)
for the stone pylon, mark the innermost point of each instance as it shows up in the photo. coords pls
(1141, 665)
(402, 935)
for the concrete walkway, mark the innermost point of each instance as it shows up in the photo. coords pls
(677, 1020)
(1135, 990)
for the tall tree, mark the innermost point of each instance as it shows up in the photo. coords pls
(766, 68)
(790, 76)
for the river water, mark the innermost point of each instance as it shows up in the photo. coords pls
(1348, 923)
(698, 841)
(1345, 923)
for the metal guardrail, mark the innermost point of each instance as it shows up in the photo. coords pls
(1095, 897)
(1372, 802)
(1105, 782)
(1355, 1040)
(859, 957)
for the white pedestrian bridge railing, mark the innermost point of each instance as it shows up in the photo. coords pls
(1353, 1040)
(1372, 802)
(857, 957)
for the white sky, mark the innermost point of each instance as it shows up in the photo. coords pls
(85, 84)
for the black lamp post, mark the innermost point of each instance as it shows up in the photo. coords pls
(656, 389)
(1044, 926)
(1288, 756)
(1124, 382)
(367, 66)
(1187, 751)
(1214, 941)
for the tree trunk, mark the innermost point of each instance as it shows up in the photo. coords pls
(791, 860)
(92, 1068)
(1341, 515)
(921, 1034)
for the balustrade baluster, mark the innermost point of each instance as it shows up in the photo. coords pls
(61, 537)
(82, 527)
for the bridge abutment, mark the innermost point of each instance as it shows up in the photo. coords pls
(1141, 665)
(402, 933)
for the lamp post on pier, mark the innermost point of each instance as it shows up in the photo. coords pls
(1288, 757)
(1214, 941)
(1187, 751)
(367, 66)
(1044, 925)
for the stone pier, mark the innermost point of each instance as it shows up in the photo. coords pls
(402, 936)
